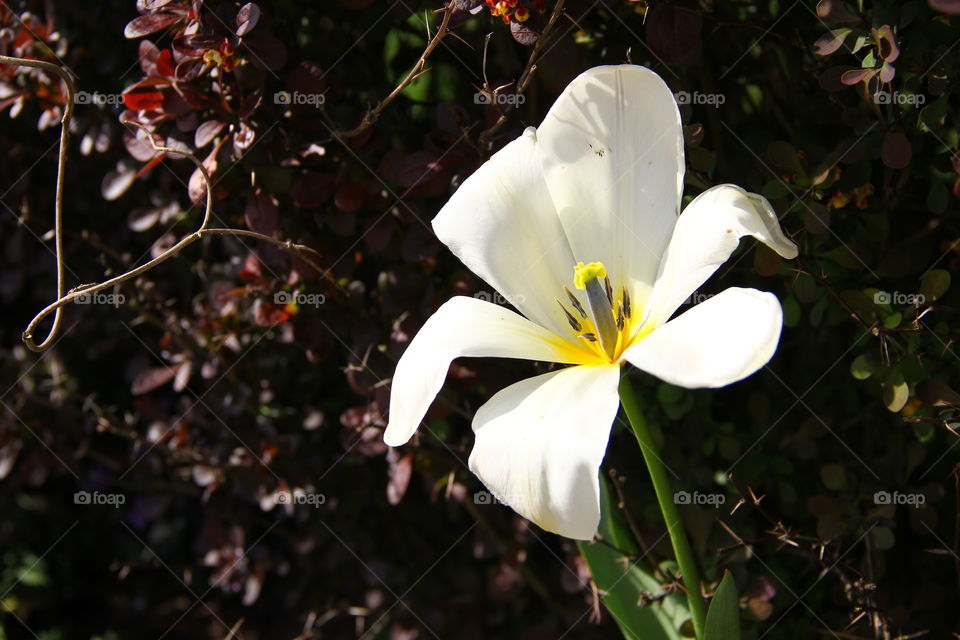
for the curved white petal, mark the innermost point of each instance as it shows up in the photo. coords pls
(715, 343)
(463, 327)
(540, 443)
(612, 154)
(502, 224)
(708, 231)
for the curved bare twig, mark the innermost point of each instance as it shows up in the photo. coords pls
(56, 307)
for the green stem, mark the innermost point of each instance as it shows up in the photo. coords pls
(671, 515)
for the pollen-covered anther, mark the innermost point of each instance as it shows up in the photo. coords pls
(575, 302)
(573, 322)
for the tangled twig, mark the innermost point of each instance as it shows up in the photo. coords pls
(204, 229)
(527, 74)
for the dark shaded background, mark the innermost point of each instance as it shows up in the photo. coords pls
(200, 396)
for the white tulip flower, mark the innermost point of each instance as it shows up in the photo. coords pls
(577, 223)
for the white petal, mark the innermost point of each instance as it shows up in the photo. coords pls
(715, 343)
(708, 231)
(612, 154)
(502, 224)
(463, 327)
(540, 443)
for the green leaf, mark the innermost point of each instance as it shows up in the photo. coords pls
(723, 617)
(896, 392)
(934, 284)
(931, 116)
(791, 311)
(622, 583)
(863, 367)
(703, 160)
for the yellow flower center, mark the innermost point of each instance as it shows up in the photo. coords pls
(606, 330)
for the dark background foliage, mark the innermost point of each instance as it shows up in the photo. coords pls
(203, 396)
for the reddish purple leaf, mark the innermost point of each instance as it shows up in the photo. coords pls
(855, 76)
(831, 41)
(312, 189)
(148, 53)
(266, 52)
(835, 11)
(400, 469)
(950, 7)
(889, 49)
(350, 197)
(896, 152)
(149, 23)
(261, 214)
(152, 378)
(247, 18)
(206, 132)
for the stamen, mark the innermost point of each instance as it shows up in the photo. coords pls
(574, 323)
(620, 316)
(592, 337)
(587, 277)
(576, 303)
(608, 289)
(626, 302)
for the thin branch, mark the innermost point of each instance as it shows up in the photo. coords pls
(371, 116)
(68, 83)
